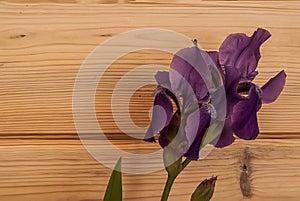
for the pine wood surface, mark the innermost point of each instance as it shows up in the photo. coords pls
(43, 44)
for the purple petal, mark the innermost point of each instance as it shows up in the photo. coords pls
(242, 52)
(162, 78)
(232, 47)
(184, 73)
(168, 133)
(214, 55)
(272, 89)
(244, 119)
(226, 138)
(232, 79)
(161, 115)
(196, 125)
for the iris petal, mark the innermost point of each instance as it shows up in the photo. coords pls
(272, 89)
(161, 115)
(168, 133)
(244, 117)
(162, 78)
(226, 138)
(184, 73)
(242, 52)
(214, 55)
(196, 125)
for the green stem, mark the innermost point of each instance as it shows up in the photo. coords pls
(185, 163)
(170, 181)
(167, 188)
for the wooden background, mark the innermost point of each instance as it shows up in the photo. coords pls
(44, 42)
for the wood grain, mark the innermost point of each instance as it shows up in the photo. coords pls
(42, 48)
(67, 172)
(169, 2)
(64, 1)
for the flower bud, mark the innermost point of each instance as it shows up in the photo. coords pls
(205, 190)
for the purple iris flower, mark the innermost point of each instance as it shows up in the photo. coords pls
(237, 61)
(238, 58)
(185, 87)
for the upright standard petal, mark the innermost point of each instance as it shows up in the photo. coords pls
(244, 119)
(185, 75)
(242, 52)
(161, 114)
(272, 89)
(196, 125)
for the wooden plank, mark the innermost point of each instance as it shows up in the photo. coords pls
(195, 2)
(43, 46)
(63, 1)
(66, 171)
(169, 2)
(44, 42)
(198, 1)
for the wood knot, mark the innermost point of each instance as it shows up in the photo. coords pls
(245, 182)
(18, 36)
(105, 35)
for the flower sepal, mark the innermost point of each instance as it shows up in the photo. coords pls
(172, 161)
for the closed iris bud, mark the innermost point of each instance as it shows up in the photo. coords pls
(205, 190)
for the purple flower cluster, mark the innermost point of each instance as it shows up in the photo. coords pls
(236, 60)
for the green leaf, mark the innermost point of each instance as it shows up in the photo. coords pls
(114, 186)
